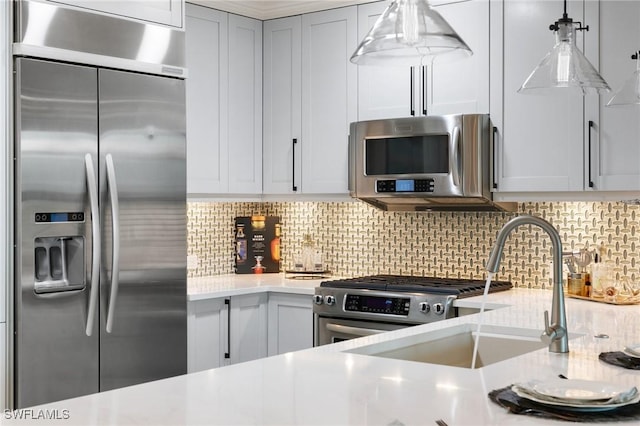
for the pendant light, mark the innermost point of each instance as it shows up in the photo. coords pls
(565, 66)
(629, 93)
(410, 32)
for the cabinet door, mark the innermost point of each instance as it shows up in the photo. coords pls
(282, 105)
(462, 87)
(539, 138)
(167, 12)
(245, 105)
(614, 153)
(248, 327)
(329, 98)
(290, 323)
(207, 99)
(383, 92)
(207, 327)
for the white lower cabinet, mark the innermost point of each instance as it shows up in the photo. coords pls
(248, 327)
(206, 334)
(290, 323)
(225, 331)
(228, 330)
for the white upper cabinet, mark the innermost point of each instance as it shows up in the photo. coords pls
(462, 86)
(564, 142)
(329, 98)
(245, 105)
(224, 103)
(207, 99)
(444, 88)
(166, 12)
(614, 152)
(310, 98)
(282, 105)
(539, 138)
(384, 92)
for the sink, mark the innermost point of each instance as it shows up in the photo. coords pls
(453, 346)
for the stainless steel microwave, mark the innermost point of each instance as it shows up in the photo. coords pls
(424, 163)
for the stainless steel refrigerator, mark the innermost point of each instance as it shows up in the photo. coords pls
(100, 198)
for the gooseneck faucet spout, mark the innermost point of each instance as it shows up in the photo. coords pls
(555, 332)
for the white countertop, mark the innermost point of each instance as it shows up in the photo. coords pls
(326, 386)
(236, 284)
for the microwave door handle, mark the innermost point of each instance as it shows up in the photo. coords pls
(455, 158)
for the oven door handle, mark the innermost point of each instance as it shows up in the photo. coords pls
(356, 331)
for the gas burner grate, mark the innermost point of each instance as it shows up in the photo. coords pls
(459, 287)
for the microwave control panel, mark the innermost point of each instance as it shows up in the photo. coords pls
(404, 185)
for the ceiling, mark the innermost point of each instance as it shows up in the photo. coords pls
(269, 9)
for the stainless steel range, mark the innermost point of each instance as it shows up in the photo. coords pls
(350, 308)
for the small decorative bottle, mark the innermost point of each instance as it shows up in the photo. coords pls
(308, 252)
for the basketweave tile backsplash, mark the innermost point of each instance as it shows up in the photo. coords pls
(357, 239)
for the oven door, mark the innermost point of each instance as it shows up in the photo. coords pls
(333, 330)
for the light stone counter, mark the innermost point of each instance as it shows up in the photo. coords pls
(327, 386)
(237, 284)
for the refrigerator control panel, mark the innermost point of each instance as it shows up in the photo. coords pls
(59, 217)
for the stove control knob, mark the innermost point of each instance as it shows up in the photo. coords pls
(330, 300)
(424, 307)
(438, 308)
(317, 299)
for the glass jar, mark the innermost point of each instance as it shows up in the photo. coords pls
(575, 282)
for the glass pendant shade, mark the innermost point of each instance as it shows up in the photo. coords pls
(565, 66)
(410, 32)
(629, 93)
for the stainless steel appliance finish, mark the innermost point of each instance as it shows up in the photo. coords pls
(100, 288)
(351, 308)
(424, 163)
(57, 32)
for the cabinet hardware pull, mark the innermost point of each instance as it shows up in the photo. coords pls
(494, 158)
(227, 354)
(591, 124)
(413, 111)
(424, 90)
(293, 165)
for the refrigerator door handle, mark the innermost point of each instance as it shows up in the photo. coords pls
(95, 237)
(115, 228)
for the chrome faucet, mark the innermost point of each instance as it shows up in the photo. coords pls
(555, 332)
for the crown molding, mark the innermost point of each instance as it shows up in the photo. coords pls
(271, 9)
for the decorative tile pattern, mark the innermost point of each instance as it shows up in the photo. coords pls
(357, 239)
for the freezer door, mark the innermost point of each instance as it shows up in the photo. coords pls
(56, 145)
(143, 202)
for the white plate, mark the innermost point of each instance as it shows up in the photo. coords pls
(631, 354)
(576, 407)
(632, 350)
(578, 390)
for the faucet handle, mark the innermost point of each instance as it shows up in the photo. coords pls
(550, 333)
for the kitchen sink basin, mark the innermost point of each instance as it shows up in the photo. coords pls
(453, 346)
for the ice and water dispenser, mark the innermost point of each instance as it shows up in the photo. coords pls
(59, 260)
